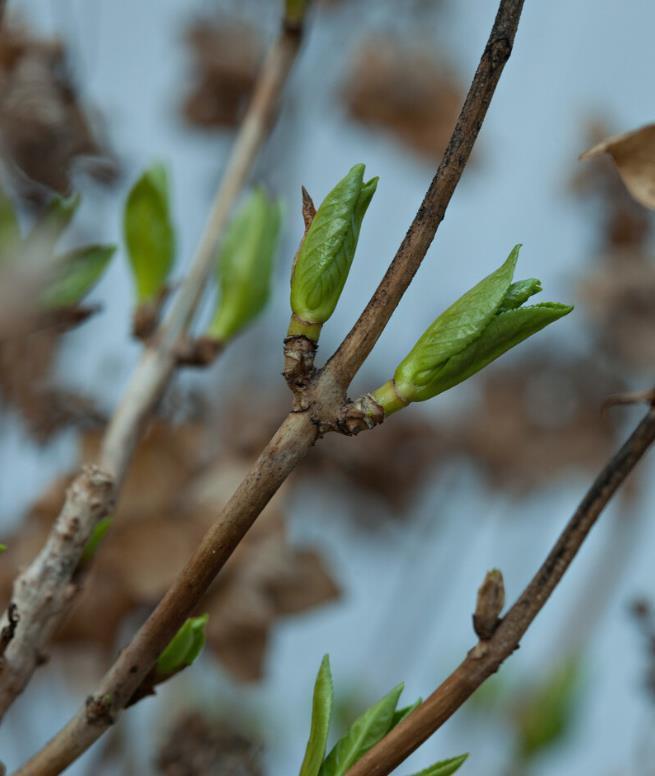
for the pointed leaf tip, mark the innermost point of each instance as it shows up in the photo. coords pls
(320, 725)
(444, 767)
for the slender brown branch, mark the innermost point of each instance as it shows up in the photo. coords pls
(487, 656)
(371, 323)
(322, 407)
(44, 590)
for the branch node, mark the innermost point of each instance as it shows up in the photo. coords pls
(299, 353)
(199, 353)
(360, 415)
(145, 318)
(98, 710)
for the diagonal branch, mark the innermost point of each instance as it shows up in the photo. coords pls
(487, 656)
(43, 592)
(371, 323)
(325, 400)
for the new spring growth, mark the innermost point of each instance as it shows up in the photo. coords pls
(149, 234)
(364, 733)
(71, 275)
(478, 328)
(183, 648)
(245, 264)
(326, 253)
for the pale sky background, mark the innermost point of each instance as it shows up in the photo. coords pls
(572, 59)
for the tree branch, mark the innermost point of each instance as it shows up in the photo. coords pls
(487, 656)
(371, 323)
(43, 592)
(322, 408)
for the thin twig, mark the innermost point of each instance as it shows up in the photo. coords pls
(325, 398)
(371, 323)
(487, 656)
(44, 590)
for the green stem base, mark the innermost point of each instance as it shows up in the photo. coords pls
(300, 328)
(388, 398)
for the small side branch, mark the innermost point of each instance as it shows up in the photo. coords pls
(488, 655)
(44, 590)
(371, 323)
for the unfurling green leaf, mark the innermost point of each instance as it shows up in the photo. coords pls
(3, 548)
(79, 271)
(320, 727)
(444, 767)
(245, 264)
(364, 733)
(97, 535)
(149, 233)
(482, 325)
(327, 252)
(547, 717)
(10, 237)
(184, 647)
(519, 293)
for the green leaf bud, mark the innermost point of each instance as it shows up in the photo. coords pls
(327, 252)
(79, 270)
(149, 233)
(482, 325)
(184, 647)
(320, 726)
(245, 264)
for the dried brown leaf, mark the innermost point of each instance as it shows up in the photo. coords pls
(198, 746)
(401, 88)
(634, 156)
(43, 125)
(226, 58)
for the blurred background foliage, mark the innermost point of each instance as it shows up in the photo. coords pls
(375, 547)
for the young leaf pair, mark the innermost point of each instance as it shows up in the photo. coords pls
(366, 731)
(244, 262)
(74, 273)
(482, 325)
